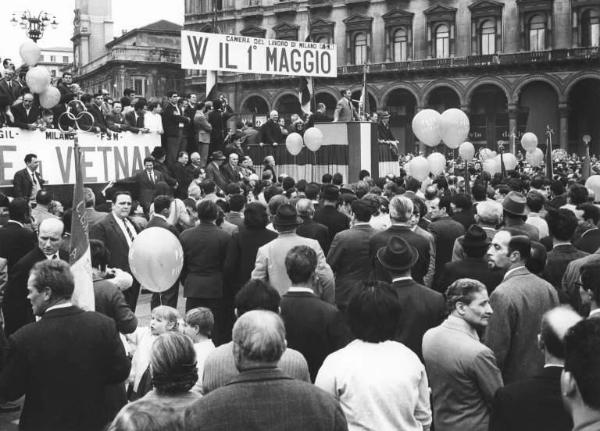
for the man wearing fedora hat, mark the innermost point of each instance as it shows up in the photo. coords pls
(423, 308)
(270, 259)
(474, 265)
(519, 303)
(515, 215)
(213, 169)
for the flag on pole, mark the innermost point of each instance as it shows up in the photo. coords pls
(549, 169)
(211, 85)
(79, 257)
(586, 169)
(363, 104)
(306, 85)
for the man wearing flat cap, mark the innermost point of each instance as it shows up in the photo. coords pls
(270, 259)
(474, 265)
(213, 169)
(515, 215)
(423, 308)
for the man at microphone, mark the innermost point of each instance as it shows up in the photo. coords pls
(345, 111)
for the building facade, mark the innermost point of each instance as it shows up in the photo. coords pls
(146, 59)
(513, 66)
(55, 59)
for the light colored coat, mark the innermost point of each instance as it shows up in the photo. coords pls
(519, 303)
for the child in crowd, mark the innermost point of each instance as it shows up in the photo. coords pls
(198, 325)
(164, 319)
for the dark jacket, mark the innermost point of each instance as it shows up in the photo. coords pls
(15, 305)
(380, 239)
(333, 219)
(534, 404)
(99, 120)
(350, 261)
(311, 229)
(313, 327)
(267, 399)
(15, 242)
(445, 231)
(22, 184)
(469, 267)
(422, 309)
(22, 118)
(589, 241)
(270, 133)
(62, 365)
(556, 263)
(204, 250)
(171, 121)
(108, 231)
(109, 300)
(241, 254)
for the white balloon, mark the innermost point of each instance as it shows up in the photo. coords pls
(30, 53)
(509, 159)
(490, 166)
(426, 127)
(50, 98)
(529, 141)
(466, 151)
(38, 79)
(294, 143)
(419, 168)
(454, 127)
(535, 157)
(313, 138)
(593, 183)
(486, 153)
(437, 163)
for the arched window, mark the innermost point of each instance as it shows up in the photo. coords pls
(442, 41)
(488, 37)
(360, 48)
(537, 33)
(590, 28)
(400, 45)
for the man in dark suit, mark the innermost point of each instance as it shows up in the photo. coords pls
(422, 308)
(474, 244)
(134, 120)
(445, 230)
(313, 327)
(162, 210)
(262, 393)
(561, 224)
(91, 214)
(15, 239)
(401, 212)
(310, 228)
(174, 122)
(117, 232)
(328, 214)
(204, 249)
(145, 182)
(26, 114)
(213, 169)
(95, 109)
(231, 170)
(270, 132)
(182, 175)
(15, 306)
(217, 119)
(535, 404)
(9, 88)
(349, 256)
(345, 111)
(63, 362)
(115, 120)
(27, 182)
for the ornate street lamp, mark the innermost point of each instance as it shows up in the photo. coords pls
(34, 26)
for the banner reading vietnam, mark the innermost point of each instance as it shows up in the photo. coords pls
(105, 157)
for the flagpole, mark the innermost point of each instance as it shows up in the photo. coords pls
(549, 168)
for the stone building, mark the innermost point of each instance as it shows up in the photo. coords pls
(55, 59)
(146, 59)
(513, 66)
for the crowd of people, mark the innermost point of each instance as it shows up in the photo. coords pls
(455, 303)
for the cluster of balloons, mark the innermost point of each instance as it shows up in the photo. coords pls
(420, 167)
(156, 268)
(313, 139)
(534, 155)
(492, 162)
(38, 77)
(451, 127)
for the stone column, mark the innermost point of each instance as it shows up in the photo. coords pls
(512, 126)
(563, 113)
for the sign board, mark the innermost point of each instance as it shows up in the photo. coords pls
(244, 54)
(106, 157)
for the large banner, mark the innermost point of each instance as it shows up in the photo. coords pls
(106, 157)
(243, 54)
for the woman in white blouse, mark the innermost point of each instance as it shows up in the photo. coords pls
(152, 118)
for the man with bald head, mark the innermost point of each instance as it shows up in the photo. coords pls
(15, 307)
(535, 403)
(262, 395)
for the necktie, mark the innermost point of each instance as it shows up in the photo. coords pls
(140, 121)
(131, 237)
(151, 176)
(33, 178)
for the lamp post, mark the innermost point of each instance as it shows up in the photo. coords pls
(33, 25)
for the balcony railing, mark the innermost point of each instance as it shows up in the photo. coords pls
(136, 54)
(284, 6)
(253, 11)
(316, 4)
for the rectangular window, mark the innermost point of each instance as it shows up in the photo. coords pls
(138, 86)
(488, 44)
(65, 58)
(53, 59)
(537, 39)
(595, 34)
(442, 47)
